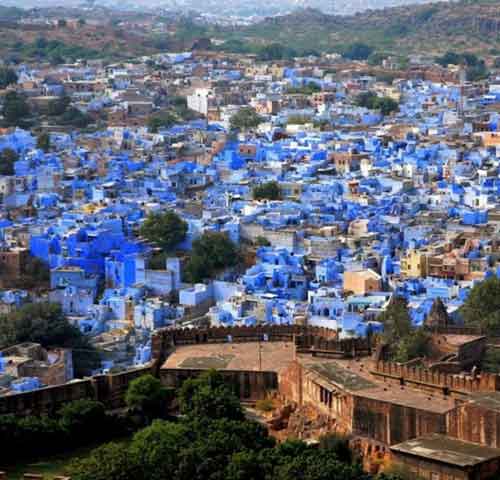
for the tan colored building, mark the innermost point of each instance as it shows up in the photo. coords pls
(362, 282)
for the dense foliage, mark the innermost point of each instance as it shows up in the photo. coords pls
(482, 306)
(161, 120)
(54, 51)
(245, 118)
(371, 100)
(405, 343)
(307, 89)
(7, 77)
(43, 142)
(212, 252)
(45, 323)
(166, 229)
(357, 51)
(475, 67)
(77, 424)
(146, 396)
(269, 191)
(214, 441)
(7, 159)
(16, 110)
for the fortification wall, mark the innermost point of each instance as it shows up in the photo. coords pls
(430, 380)
(249, 386)
(109, 389)
(307, 338)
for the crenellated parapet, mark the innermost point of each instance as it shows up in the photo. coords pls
(435, 380)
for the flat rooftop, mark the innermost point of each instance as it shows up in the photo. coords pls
(274, 356)
(489, 400)
(354, 376)
(443, 449)
(458, 340)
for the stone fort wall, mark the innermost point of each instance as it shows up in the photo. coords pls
(431, 380)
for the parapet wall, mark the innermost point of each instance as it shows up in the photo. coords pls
(109, 389)
(308, 339)
(433, 380)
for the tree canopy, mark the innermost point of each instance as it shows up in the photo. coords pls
(7, 77)
(269, 190)
(43, 142)
(210, 397)
(482, 306)
(147, 396)
(7, 159)
(357, 51)
(371, 100)
(15, 110)
(161, 120)
(245, 118)
(396, 319)
(165, 229)
(45, 323)
(214, 441)
(405, 343)
(212, 252)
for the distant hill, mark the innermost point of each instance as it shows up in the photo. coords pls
(465, 26)
(231, 7)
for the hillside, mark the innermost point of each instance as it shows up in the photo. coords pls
(466, 25)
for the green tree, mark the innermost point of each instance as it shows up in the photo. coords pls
(491, 360)
(43, 142)
(161, 120)
(307, 89)
(45, 323)
(212, 252)
(108, 462)
(269, 191)
(245, 118)
(7, 159)
(366, 99)
(357, 51)
(208, 396)
(75, 118)
(482, 306)
(338, 445)
(371, 100)
(147, 396)
(166, 229)
(449, 58)
(396, 319)
(414, 345)
(156, 449)
(7, 77)
(276, 51)
(261, 241)
(15, 110)
(81, 418)
(386, 105)
(376, 58)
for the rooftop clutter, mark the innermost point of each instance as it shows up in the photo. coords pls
(334, 208)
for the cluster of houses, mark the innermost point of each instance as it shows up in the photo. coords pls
(370, 206)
